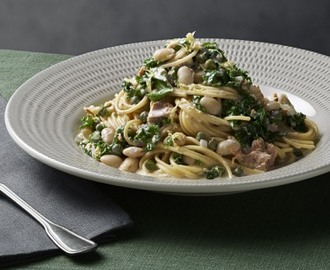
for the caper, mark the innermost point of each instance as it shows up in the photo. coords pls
(201, 57)
(144, 116)
(238, 171)
(200, 136)
(116, 149)
(135, 100)
(219, 57)
(96, 122)
(210, 64)
(212, 144)
(298, 152)
(151, 165)
(99, 127)
(95, 136)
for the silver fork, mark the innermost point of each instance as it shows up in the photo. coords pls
(65, 239)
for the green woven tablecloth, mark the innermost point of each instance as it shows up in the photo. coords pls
(286, 227)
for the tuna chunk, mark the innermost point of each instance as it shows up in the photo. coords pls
(158, 111)
(256, 93)
(259, 156)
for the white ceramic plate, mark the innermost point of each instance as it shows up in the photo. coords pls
(44, 114)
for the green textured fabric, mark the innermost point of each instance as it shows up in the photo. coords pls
(16, 67)
(286, 227)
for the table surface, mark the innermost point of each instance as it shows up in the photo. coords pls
(285, 227)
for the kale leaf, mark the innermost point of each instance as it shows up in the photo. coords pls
(247, 131)
(214, 172)
(196, 101)
(147, 136)
(160, 88)
(297, 122)
(88, 121)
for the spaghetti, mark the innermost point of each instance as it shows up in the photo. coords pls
(191, 113)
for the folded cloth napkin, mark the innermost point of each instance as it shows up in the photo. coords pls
(69, 201)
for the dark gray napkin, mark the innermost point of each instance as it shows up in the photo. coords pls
(70, 201)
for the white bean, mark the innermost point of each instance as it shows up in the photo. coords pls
(111, 160)
(108, 134)
(172, 44)
(211, 105)
(228, 147)
(164, 54)
(203, 143)
(86, 132)
(185, 75)
(130, 164)
(133, 152)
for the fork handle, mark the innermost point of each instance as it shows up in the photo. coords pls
(65, 239)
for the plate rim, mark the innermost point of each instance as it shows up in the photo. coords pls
(184, 187)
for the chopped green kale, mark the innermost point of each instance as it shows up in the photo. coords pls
(297, 122)
(214, 172)
(196, 100)
(160, 88)
(150, 62)
(247, 131)
(178, 158)
(133, 93)
(88, 121)
(147, 136)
